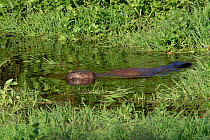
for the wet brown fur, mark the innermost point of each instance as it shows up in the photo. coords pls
(128, 72)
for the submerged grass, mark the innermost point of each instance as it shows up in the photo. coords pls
(26, 119)
(132, 25)
(191, 93)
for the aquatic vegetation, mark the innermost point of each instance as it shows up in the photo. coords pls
(122, 122)
(191, 93)
(42, 40)
(158, 25)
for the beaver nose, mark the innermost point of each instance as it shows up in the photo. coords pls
(71, 75)
(68, 76)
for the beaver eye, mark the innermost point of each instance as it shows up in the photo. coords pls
(80, 73)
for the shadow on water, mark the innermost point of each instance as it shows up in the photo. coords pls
(43, 65)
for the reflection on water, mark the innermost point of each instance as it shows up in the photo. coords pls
(80, 81)
(43, 65)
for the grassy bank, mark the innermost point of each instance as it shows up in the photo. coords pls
(42, 38)
(191, 93)
(86, 123)
(181, 112)
(160, 26)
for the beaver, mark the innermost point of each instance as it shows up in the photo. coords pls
(128, 72)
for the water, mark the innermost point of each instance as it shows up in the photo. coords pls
(42, 65)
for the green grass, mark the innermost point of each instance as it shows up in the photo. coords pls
(191, 92)
(117, 30)
(25, 115)
(172, 30)
(87, 123)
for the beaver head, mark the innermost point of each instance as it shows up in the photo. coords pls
(80, 74)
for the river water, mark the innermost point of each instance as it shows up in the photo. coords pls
(42, 65)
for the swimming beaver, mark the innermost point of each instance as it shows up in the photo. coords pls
(128, 72)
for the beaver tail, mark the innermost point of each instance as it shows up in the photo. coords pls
(179, 64)
(172, 66)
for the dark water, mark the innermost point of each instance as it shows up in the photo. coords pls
(42, 65)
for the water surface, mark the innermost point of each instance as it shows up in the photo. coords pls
(42, 65)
